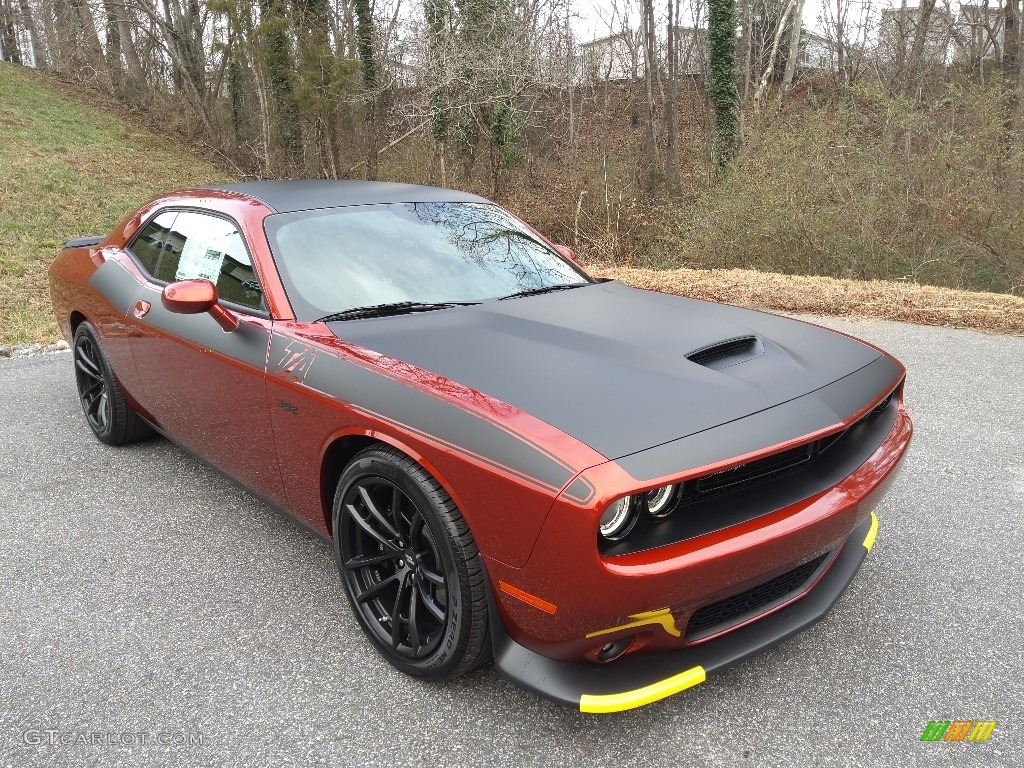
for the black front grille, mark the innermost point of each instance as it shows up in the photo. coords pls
(732, 610)
(727, 348)
(754, 471)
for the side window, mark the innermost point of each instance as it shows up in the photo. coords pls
(196, 245)
(157, 248)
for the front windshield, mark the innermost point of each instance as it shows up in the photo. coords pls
(336, 259)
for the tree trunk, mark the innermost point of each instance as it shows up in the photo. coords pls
(279, 73)
(746, 50)
(916, 65)
(650, 65)
(136, 74)
(672, 98)
(794, 49)
(1011, 36)
(774, 52)
(90, 38)
(48, 19)
(841, 45)
(365, 37)
(9, 47)
(38, 51)
(113, 49)
(722, 80)
(8, 35)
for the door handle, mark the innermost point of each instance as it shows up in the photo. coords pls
(141, 309)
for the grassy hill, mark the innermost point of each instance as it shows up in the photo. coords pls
(68, 167)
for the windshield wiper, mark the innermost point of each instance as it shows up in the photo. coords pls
(545, 289)
(393, 308)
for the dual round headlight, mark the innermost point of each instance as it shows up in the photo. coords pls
(621, 515)
(618, 518)
(660, 501)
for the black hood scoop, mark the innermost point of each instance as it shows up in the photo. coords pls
(728, 352)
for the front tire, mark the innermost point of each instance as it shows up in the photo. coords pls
(410, 566)
(109, 416)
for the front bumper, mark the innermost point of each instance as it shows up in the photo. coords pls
(637, 680)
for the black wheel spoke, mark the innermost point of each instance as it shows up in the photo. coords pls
(396, 615)
(432, 576)
(362, 561)
(430, 603)
(103, 409)
(369, 529)
(427, 556)
(88, 367)
(414, 630)
(371, 507)
(91, 400)
(92, 390)
(375, 589)
(396, 512)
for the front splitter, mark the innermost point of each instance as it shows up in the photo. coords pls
(639, 680)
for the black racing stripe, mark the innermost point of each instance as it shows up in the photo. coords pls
(117, 284)
(430, 416)
(247, 344)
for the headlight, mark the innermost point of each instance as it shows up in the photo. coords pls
(618, 518)
(659, 501)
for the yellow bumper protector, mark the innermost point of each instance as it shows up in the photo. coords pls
(619, 702)
(662, 617)
(869, 540)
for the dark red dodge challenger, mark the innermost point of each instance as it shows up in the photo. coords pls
(613, 491)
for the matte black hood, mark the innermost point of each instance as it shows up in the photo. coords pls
(608, 364)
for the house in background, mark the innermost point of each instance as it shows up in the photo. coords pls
(897, 31)
(621, 56)
(978, 34)
(817, 53)
(691, 49)
(615, 57)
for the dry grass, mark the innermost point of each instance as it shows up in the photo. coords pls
(907, 302)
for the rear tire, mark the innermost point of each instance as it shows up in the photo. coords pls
(109, 416)
(410, 566)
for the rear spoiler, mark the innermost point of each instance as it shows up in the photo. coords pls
(85, 242)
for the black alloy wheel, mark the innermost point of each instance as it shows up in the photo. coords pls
(106, 411)
(409, 565)
(92, 385)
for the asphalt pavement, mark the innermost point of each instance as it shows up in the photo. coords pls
(151, 613)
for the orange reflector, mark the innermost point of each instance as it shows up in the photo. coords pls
(527, 598)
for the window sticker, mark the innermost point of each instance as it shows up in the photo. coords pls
(199, 260)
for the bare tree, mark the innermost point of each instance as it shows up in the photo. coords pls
(672, 95)
(9, 50)
(774, 50)
(1011, 35)
(794, 48)
(650, 73)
